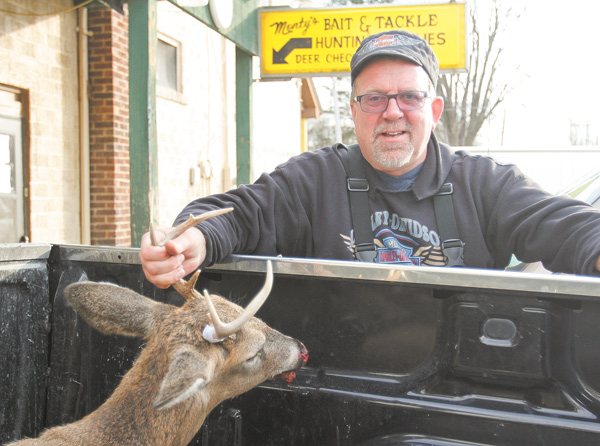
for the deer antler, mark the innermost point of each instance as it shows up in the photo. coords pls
(222, 330)
(182, 227)
(219, 330)
(186, 289)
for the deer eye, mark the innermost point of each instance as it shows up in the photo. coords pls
(255, 360)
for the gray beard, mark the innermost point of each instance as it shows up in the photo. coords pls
(392, 158)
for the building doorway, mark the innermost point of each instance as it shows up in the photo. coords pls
(13, 222)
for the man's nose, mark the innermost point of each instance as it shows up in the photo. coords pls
(393, 110)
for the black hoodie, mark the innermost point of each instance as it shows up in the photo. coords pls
(302, 209)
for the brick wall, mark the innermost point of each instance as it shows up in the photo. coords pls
(39, 56)
(109, 128)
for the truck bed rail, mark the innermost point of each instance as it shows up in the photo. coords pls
(399, 355)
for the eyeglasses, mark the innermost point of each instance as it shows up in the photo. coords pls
(407, 101)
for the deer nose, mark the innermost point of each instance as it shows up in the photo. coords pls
(303, 355)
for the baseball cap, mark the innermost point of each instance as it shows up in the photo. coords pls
(396, 43)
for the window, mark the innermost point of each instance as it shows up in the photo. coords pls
(168, 65)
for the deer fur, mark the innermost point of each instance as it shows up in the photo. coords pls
(178, 377)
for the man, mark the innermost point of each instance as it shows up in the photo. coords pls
(302, 209)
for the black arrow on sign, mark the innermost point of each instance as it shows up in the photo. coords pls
(291, 45)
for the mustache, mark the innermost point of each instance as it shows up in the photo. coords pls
(385, 128)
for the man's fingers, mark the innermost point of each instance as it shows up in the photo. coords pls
(167, 279)
(154, 254)
(174, 248)
(165, 265)
(190, 265)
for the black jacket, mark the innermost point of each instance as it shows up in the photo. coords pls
(302, 209)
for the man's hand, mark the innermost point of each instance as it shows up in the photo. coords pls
(598, 264)
(165, 265)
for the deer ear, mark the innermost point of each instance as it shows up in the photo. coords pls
(188, 373)
(112, 309)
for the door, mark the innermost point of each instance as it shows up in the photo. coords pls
(12, 210)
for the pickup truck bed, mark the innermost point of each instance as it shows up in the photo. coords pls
(398, 355)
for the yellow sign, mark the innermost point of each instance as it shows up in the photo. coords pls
(303, 42)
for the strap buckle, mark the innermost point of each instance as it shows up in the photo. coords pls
(453, 252)
(446, 189)
(357, 184)
(366, 252)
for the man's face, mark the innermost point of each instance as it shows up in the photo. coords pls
(394, 141)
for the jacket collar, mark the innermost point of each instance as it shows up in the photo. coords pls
(436, 169)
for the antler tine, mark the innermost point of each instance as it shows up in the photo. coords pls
(191, 221)
(153, 241)
(187, 289)
(222, 330)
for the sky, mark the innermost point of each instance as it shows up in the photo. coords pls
(556, 45)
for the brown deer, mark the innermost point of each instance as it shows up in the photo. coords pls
(196, 356)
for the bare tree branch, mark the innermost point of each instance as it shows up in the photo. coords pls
(471, 98)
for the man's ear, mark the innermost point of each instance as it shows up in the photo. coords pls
(353, 108)
(437, 107)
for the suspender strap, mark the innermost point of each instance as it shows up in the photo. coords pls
(452, 246)
(358, 188)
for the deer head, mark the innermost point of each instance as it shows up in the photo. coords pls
(180, 376)
(242, 352)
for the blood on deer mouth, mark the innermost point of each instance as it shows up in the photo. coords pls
(290, 375)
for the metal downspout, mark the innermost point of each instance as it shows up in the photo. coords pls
(84, 127)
